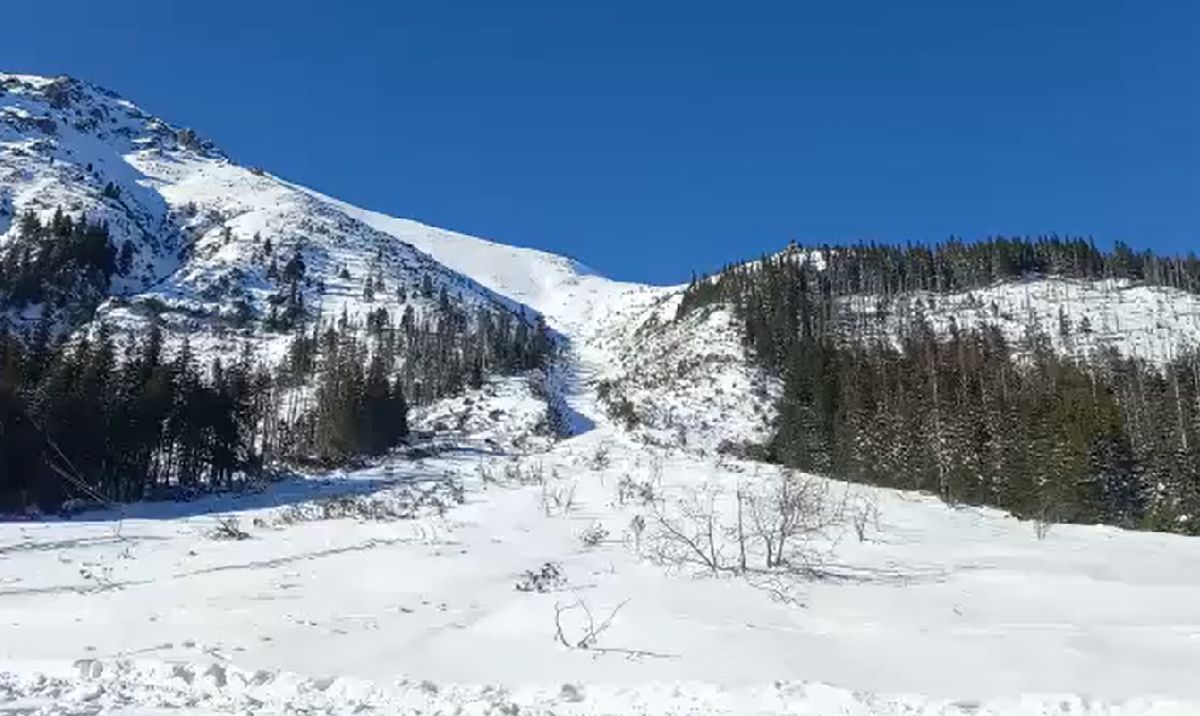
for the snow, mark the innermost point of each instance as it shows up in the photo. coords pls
(212, 687)
(939, 611)
(373, 589)
(961, 606)
(34, 80)
(1151, 322)
(689, 381)
(506, 413)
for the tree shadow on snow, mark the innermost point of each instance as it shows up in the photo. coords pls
(290, 490)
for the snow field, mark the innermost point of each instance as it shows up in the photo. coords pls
(966, 607)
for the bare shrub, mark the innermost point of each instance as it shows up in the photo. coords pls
(657, 468)
(576, 627)
(788, 516)
(618, 406)
(455, 489)
(637, 527)
(485, 475)
(361, 507)
(594, 535)
(639, 491)
(863, 514)
(99, 576)
(1044, 518)
(229, 528)
(589, 630)
(533, 474)
(402, 502)
(558, 498)
(512, 470)
(601, 458)
(1041, 527)
(548, 578)
(784, 525)
(691, 534)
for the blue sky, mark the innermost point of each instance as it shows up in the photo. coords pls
(650, 139)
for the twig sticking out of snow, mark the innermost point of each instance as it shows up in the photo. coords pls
(229, 528)
(590, 632)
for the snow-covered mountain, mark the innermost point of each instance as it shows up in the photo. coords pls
(346, 582)
(204, 232)
(685, 377)
(207, 236)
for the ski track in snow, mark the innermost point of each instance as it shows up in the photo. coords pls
(940, 612)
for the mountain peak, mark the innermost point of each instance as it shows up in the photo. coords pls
(202, 240)
(54, 105)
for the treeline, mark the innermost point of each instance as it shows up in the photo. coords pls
(366, 375)
(1114, 442)
(968, 416)
(950, 266)
(120, 420)
(66, 263)
(93, 421)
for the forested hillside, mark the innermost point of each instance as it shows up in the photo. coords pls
(966, 413)
(116, 419)
(173, 322)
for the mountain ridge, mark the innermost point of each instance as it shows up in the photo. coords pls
(203, 228)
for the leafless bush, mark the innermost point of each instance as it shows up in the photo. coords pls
(631, 490)
(588, 632)
(576, 627)
(362, 507)
(403, 502)
(1041, 527)
(794, 511)
(229, 528)
(601, 459)
(548, 578)
(784, 525)
(1044, 519)
(594, 535)
(99, 576)
(558, 498)
(691, 534)
(485, 475)
(657, 467)
(533, 474)
(863, 514)
(455, 489)
(637, 527)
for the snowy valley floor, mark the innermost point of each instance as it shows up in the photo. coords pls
(937, 611)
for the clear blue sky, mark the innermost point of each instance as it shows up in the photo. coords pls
(648, 139)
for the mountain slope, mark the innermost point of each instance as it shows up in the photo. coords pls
(572, 296)
(208, 237)
(200, 223)
(679, 365)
